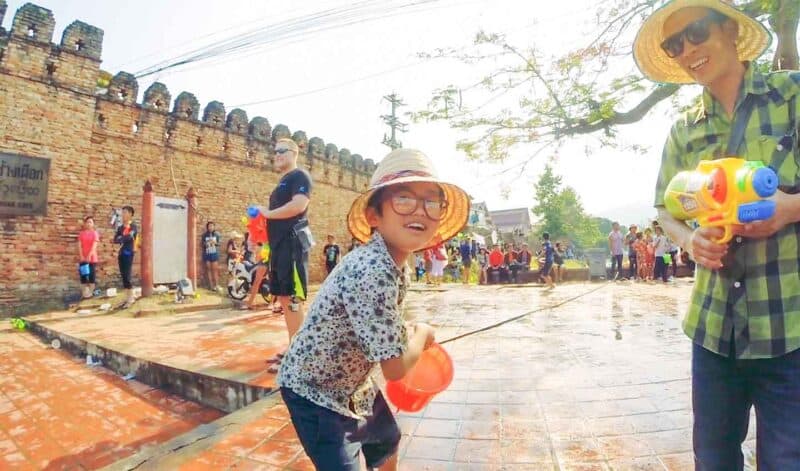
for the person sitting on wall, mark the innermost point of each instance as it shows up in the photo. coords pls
(483, 265)
(524, 258)
(510, 262)
(496, 271)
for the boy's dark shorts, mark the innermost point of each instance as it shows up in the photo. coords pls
(210, 257)
(333, 441)
(545, 271)
(284, 257)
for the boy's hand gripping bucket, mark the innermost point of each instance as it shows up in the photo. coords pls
(432, 374)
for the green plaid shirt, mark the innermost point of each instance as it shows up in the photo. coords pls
(757, 304)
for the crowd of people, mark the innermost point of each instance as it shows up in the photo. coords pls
(651, 254)
(464, 260)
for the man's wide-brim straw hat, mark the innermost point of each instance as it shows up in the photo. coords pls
(235, 235)
(656, 65)
(407, 166)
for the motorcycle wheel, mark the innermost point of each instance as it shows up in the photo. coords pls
(238, 288)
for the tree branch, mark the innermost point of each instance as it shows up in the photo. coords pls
(638, 112)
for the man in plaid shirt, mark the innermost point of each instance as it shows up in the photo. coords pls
(744, 315)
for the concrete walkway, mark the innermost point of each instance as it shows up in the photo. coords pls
(57, 413)
(595, 376)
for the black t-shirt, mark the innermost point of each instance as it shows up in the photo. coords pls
(126, 238)
(296, 182)
(331, 252)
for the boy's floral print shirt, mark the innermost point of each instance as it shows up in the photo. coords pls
(354, 323)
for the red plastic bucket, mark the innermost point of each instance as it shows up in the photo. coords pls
(432, 374)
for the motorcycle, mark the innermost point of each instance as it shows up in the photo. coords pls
(243, 274)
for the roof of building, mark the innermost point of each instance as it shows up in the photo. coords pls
(517, 217)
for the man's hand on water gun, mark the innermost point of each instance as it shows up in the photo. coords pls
(785, 213)
(704, 249)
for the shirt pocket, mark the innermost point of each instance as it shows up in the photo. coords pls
(699, 150)
(781, 154)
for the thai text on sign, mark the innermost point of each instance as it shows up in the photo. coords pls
(23, 185)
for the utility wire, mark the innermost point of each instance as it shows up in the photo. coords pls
(292, 29)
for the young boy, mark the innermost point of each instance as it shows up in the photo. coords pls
(547, 251)
(356, 322)
(331, 253)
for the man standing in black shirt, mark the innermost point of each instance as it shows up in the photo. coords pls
(288, 254)
(126, 236)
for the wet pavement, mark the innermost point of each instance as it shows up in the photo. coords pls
(591, 376)
(595, 377)
(58, 413)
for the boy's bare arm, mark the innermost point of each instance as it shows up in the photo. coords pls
(395, 368)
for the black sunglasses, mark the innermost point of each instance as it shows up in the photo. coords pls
(696, 33)
(282, 151)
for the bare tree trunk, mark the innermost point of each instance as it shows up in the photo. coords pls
(784, 22)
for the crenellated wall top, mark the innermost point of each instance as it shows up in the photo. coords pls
(35, 25)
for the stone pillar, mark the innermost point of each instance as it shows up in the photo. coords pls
(191, 233)
(148, 204)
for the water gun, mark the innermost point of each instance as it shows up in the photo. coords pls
(256, 225)
(722, 193)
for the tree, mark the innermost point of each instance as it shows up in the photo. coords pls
(561, 213)
(579, 93)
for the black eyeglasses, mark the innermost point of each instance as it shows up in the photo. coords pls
(696, 33)
(282, 151)
(405, 204)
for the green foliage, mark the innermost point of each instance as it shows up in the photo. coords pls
(561, 212)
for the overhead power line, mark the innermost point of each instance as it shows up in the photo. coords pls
(294, 28)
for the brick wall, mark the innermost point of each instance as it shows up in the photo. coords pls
(103, 146)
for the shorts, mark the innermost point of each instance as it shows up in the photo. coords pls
(428, 266)
(330, 266)
(333, 441)
(286, 256)
(545, 271)
(210, 257)
(88, 279)
(466, 263)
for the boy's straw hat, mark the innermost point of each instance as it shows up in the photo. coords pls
(654, 63)
(405, 166)
(235, 235)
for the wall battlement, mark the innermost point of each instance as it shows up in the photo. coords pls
(103, 143)
(27, 51)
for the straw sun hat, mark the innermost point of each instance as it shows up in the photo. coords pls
(654, 63)
(406, 166)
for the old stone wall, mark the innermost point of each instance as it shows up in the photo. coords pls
(104, 143)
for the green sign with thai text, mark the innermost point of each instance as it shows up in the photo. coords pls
(23, 185)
